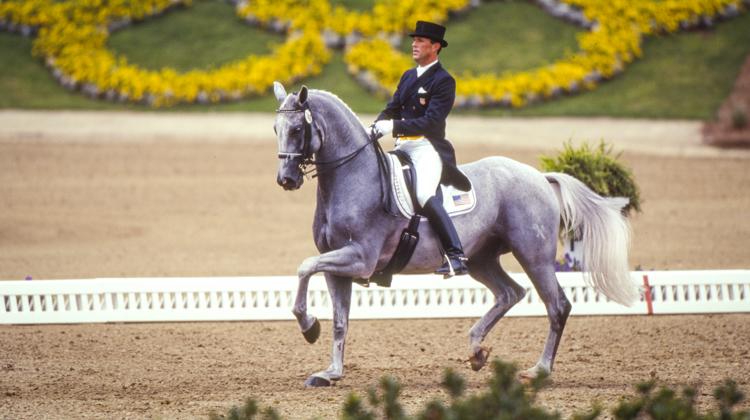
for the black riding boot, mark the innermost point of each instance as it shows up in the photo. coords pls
(446, 232)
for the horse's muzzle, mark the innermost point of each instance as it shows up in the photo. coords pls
(288, 183)
(290, 175)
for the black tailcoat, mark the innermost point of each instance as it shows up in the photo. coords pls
(419, 107)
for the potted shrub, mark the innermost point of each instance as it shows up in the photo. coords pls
(599, 168)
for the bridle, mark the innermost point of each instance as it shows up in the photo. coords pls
(306, 159)
(306, 155)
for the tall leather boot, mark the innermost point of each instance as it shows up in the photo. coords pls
(446, 232)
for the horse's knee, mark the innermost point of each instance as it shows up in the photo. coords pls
(307, 267)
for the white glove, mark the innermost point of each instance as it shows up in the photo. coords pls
(372, 131)
(384, 126)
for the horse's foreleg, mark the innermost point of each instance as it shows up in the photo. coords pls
(340, 289)
(347, 262)
(340, 267)
(487, 270)
(308, 324)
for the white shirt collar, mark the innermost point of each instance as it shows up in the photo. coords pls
(422, 69)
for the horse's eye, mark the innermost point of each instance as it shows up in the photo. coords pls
(297, 129)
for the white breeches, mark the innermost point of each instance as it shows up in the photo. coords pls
(427, 164)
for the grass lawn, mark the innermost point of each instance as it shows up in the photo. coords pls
(204, 36)
(26, 83)
(505, 36)
(686, 75)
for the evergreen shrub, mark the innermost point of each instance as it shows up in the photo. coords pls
(508, 398)
(599, 168)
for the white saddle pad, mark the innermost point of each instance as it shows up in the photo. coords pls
(456, 202)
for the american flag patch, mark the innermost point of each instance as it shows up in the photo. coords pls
(461, 199)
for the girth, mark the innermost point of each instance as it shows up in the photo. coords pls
(404, 251)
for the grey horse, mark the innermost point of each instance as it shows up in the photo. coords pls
(518, 210)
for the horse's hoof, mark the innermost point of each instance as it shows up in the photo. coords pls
(527, 376)
(317, 382)
(312, 333)
(479, 358)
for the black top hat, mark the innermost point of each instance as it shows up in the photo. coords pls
(430, 30)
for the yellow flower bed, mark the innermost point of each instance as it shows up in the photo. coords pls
(32, 13)
(73, 35)
(72, 38)
(386, 16)
(614, 42)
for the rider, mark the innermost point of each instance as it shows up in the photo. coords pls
(416, 116)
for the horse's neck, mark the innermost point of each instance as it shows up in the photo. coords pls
(358, 180)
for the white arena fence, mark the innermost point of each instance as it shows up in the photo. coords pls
(271, 298)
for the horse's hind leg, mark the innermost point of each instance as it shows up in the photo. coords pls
(558, 307)
(485, 268)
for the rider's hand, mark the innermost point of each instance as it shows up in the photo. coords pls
(384, 126)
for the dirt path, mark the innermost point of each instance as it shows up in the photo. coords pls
(178, 371)
(114, 195)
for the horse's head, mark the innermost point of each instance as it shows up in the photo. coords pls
(297, 135)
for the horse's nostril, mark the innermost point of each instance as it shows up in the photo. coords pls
(286, 182)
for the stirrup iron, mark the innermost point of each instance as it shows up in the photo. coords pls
(448, 270)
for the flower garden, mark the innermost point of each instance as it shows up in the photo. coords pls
(71, 38)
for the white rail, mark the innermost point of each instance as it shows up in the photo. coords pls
(271, 298)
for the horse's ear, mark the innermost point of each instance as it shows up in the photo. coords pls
(279, 91)
(302, 97)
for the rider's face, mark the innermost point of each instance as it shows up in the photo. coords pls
(423, 50)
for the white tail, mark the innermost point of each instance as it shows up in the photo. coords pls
(604, 232)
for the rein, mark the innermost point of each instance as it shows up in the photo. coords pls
(338, 162)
